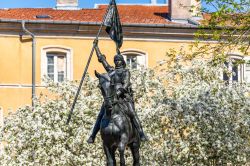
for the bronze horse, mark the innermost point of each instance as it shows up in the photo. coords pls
(117, 131)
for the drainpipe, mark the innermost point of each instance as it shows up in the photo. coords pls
(33, 62)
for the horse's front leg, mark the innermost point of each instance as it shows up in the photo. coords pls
(121, 148)
(135, 147)
(110, 155)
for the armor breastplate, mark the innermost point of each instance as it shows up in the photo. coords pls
(117, 78)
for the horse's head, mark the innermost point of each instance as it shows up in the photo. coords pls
(107, 90)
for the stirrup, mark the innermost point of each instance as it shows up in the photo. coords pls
(143, 137)
(91, 140)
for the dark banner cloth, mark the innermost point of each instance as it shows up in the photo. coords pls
(113, 25)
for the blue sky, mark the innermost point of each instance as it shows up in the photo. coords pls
(82, 3)
(52, 3)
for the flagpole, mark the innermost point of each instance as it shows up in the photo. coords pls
(87, 65)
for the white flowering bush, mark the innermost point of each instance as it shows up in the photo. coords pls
(206, 120)
(189, 114)
(41, 136)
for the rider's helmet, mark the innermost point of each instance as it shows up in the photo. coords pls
(120, 57)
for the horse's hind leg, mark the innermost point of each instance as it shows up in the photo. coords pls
(110, 155)
(135, 146)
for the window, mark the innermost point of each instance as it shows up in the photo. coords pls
(235, 68)
(56, 63)
(131, 61)
(135, 59)
(56, 66)
(247, 70)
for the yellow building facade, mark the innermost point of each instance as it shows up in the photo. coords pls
(16, 61)
(64, 39)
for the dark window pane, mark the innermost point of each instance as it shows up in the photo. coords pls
(235, 72)
(50, 68)
(128, 61)
(132, 61)
(225, 76)
(51, 76)
(50, 59)
(60, 76)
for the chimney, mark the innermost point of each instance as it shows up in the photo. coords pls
(67, 5)
(183, 10)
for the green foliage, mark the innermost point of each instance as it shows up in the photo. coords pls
(227, 22)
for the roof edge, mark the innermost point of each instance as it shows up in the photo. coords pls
(97, 23)
(131, 4)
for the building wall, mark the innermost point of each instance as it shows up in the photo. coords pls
(16, 53)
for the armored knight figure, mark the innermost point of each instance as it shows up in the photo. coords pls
(120, 77)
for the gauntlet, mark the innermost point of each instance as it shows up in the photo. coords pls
(101, 57)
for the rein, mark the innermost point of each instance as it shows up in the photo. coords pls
(107, 98)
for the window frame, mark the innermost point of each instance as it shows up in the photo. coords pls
(240, 69)
(68, 52)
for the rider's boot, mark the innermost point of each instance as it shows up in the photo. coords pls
(136, 122)
(91, 138)
(138, 126)
(97, 126)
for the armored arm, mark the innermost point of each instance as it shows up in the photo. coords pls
(102, 59)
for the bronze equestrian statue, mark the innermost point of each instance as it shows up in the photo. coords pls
(119, 124)
(117, 131)
(120, 77)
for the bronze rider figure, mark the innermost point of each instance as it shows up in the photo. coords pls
(120, 77)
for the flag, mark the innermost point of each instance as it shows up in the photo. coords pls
(113, 24)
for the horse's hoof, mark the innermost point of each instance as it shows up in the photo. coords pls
(90, 140)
